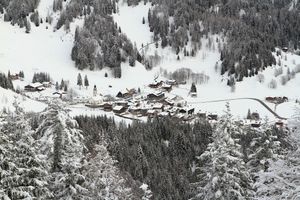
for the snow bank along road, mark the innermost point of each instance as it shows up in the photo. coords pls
(235, 99)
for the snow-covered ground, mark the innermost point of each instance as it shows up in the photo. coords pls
(8, 99)
(46, 50)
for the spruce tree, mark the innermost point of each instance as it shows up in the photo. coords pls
(86, 82)
(221, 171)
(79, 80)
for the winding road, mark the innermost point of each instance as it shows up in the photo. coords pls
(248, 98)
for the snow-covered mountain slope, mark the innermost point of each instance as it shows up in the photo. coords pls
(46, 50)
(8, 100)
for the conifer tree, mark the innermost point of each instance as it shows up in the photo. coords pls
(79, 80)
(86, 82)
(221, 170)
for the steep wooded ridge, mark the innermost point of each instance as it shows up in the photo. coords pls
(100, 43)
(252, 28)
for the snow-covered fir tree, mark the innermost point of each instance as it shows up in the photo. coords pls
(281, 180)
(221, 170)
(23, 174)
(62, 144)
(103, 178)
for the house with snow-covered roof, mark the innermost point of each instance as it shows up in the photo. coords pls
(34, 87)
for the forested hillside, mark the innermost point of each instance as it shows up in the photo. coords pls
(60, 141)
(251, 29)
(49, 155)
(197, 161)
(43, 156)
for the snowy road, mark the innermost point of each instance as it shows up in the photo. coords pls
(246, 98)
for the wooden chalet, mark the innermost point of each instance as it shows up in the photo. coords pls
(14, 76)
(158, 107)
(277, 100)
(126, 94)
(59, 94)
(166, 87)
(188, 111)
(155, 84)
(107, 106)
(167, 101)
(122, 103)
(119, 109)
(156, 96)
(123, 95)
(34, 87)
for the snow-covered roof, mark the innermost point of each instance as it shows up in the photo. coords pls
(151, 111)
(164, 114)
(118, 108)
(171, 81)
(166, 85)
(158, 106)
(36, 85)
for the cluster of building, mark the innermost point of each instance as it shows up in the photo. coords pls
(277, 100)
(155, 103)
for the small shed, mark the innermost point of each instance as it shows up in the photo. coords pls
(193, 94)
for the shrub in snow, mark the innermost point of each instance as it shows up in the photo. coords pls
(272, 84)
(261, 78)
(297, 69)
(278, 71)
(284, 79)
